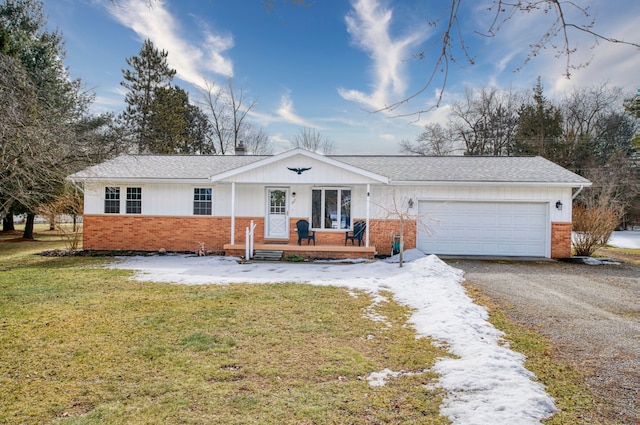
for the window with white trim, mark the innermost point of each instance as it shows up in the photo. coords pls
(134, 200)
(202, 201)
(111, 200)
(331, 208)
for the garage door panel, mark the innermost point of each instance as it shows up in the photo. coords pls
(484, 228)
(459, 234)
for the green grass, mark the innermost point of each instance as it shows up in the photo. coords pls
(627, 255)
(82, 344)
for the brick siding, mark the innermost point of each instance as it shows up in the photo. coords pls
(152, 233)
(561, 240)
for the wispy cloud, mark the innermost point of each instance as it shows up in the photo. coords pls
(286, 112)
(369, 26)
(192, 63)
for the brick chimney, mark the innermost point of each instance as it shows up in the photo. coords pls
(240, 150)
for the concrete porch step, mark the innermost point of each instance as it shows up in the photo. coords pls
(267, 255)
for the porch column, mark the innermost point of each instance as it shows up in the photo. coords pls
(368, 209)
(233, 213)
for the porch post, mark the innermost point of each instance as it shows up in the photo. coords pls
(368, 210)
(233, 213)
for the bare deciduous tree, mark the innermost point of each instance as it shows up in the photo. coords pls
(227, 111)
(434, 140)
(402, 217)
(69, 203)
(486, 121)
(29, 164)
(313, 140)
(256, 141)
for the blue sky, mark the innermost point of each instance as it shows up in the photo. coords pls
(329, 65)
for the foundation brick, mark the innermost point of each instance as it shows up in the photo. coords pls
(561, 240)
(152, 233)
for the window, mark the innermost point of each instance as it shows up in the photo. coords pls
(331, 208)
(112, 200)
(202, 201)
(134, 200)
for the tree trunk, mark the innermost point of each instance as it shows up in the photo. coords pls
(401, 257)
(28, 226)
(7, 223)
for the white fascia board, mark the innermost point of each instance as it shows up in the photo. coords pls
(294, 152)
(487, 183)
(143, 180)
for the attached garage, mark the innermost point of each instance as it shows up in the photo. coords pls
(484, 228)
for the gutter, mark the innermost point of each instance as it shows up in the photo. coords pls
(578, 192)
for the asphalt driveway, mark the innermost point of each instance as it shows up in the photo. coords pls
(589, 312)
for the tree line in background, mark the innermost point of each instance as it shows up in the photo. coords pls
(48, 132)
(592, 131)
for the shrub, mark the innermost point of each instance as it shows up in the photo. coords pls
(592, 227)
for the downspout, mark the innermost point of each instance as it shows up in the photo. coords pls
(368, 211)
(233, 213)
(577, 193)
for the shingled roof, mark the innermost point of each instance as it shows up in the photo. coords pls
(465, 169)
(398, 169)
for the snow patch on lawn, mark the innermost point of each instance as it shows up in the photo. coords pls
(486, 383)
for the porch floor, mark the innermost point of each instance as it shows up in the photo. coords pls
(307, 251)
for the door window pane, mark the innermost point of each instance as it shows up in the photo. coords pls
(278, 202)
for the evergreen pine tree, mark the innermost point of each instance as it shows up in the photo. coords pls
(149, 72)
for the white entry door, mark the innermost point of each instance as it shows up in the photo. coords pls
(277, 218)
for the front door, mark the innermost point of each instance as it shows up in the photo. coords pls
(277, 219)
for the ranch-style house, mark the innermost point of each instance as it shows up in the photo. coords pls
(452, 205)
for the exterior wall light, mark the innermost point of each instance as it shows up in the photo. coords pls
(410, 203)
(559, 205)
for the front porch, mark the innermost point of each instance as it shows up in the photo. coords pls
(320, 251)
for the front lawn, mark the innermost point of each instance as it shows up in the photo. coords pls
(83, 344)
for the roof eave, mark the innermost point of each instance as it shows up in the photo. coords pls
(486, 183)
(126, 180)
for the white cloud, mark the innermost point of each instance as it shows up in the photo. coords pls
(616, 64)
(287, 113)
(369, 26)
(156, 23)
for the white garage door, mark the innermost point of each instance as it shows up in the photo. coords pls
(484, 228)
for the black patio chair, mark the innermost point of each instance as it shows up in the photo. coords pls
(359, 228)
(304, 233)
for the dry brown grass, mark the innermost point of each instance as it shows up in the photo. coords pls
(83, 344)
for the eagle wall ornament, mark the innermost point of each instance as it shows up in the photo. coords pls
(299, 170)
